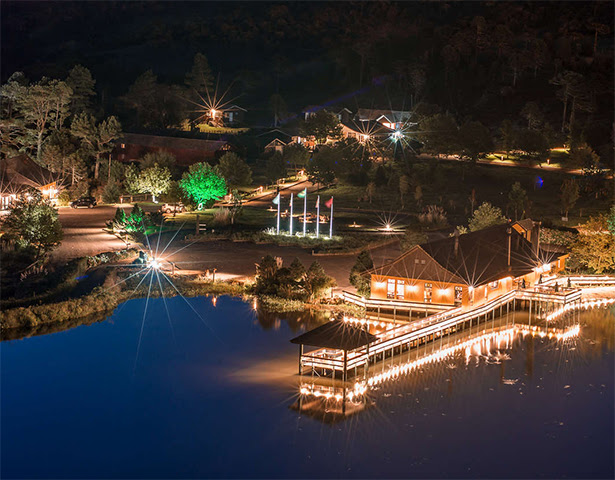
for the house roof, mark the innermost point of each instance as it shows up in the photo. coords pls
(481, 257)
(393, 116)
(526, 224)
(21, 171)
(336, 334)
(233, 108)
(367, 127)
(173, 142)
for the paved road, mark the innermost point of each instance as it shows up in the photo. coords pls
(83, 233)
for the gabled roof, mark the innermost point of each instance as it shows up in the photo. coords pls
(274, 143)
(480, 257)
(526, 224)
(367, 127)
(233, 108)
(22, 171)
(336, 334)
(393, 116)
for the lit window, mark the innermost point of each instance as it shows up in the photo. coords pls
(422, 262)
(458, 295)
(123, 145)
(416, 260)
(400, 289)
(428, 292)
(390, 288)
(494, 285)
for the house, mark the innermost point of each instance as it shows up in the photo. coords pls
(187, 151)
(274, 140)
(466, 270)
(20, 173)
(365, 131)
(342, 114)
(233, 115)
(393, 119)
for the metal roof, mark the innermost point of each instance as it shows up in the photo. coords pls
(336, 334)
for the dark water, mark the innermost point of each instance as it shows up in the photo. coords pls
(79, 403)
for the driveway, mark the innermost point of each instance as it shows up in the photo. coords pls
(83, 233)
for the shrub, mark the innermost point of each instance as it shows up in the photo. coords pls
(111, 193)
(64, 198)
(433, 215)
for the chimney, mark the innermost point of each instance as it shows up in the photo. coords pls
(456, 235)
(535, 238)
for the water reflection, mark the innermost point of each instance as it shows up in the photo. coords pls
(331, 400)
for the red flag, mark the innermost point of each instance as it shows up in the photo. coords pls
(329, 202)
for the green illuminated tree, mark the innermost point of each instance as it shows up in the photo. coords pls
(486, 215)
(203, 183)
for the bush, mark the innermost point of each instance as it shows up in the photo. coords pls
(64, 198)
(111, 193)
(222, 216)
(433, 215)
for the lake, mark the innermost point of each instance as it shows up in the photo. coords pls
(210, 391)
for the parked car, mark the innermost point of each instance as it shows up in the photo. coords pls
(173, 208)
(88, 202)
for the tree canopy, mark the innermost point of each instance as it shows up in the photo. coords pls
(203, 184)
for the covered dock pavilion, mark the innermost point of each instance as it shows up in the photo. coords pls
(336, 335)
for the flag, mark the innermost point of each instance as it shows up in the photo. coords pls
(276, 200)
(302, 193)
(329, 202)
(318, 201)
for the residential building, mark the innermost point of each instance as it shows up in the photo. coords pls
(20, 173)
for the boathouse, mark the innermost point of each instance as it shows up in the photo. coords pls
(463, 270)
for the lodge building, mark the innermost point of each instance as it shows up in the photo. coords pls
(464, 270)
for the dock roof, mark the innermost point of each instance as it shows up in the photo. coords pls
(336, 334)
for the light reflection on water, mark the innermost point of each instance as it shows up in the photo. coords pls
(200, 406)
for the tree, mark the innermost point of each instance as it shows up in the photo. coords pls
(278, 108)
(296, 155)
(235, 170)
(275, 167)
(100, 138)
(569, 194)
(474, 140)
(155, 180)
(322, 125)
(321, 168)
(266, 275)
(199, 79)
(316, 281)
(507, 136)
(33, 222)
(532, 142)
(357, 278)
(486, 215)
(82, 84)
(440, 134)
(534, 116)
(40, 106)
(132, 181)
(610, 220)
(141, 97)
(160, 158)
(203, 183)
(404, 188)
(370, 191)
(595, 246)
(517, 200)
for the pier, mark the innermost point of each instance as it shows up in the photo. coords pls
(355, 358)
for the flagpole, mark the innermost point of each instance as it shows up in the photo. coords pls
(278, 219)
(331, 220)
(317, 215)
(291, 214)
(304, 212)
